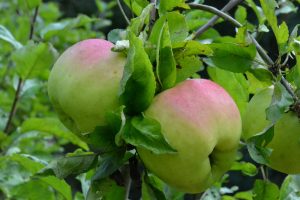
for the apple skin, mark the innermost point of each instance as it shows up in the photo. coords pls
(84, 82)
(286, 140)
(201, 121)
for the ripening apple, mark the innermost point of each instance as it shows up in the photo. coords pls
(84, 82)
(286, 140)
(201, 121)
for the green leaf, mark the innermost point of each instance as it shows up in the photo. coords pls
(282, 38)
(8, 37)
(177, 26)
(152, 188)
(281, 32)
(234, 83)
(33, 3)
(33, 190)
(136, 6)
(105, 189)
(268, 7)
(145, 132)
(290, 188)
(294, 75)
(165, 62)
(138, 82)
(233, 57)
(169, 5)
(66, 166)
(281, 101)
(116, 34)
(241, 14)
(34, 60)
(188, 66)
(138, 23)
(54, 127)
(247, 168)
(29, 162)
(109, 163)
(59, 186)
(265, 190)
(256, 145)
(61, 27)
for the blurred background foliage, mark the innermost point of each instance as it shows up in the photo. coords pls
(34, 136)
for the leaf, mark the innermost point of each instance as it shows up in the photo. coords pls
(247, 168)
(61, 27)
(189, 65)
(152, 188)
(169, 5)
(29, 162)
(110, 162)
(256, 145)
(234, 83)
(290, 188)
(66, 166)
(241, 14)
(34, 60)
(165, 62)
(265, 190)
(233, 57)
(177, 26)
(8, 37)
(145, 132)
(136, 6)
(33, 190)
(105, 189)
(59, 186)
(282, 38)
(116, 34)
(54, 127)
(281, 101)
(138, 82)
(294, 74)
(138, 23)
(281, 32)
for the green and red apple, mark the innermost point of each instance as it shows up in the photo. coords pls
(201, 121)
(198, 118)
(84, 83)
(286, 140)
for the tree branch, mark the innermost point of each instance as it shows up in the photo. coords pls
(260, 50)
(123, 12)
(13, 108)
(212, 21)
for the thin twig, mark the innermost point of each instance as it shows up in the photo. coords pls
(212, 21)
(260, 50)
(123, 12)
(152, 15)
(263, 173)
(13, 108)
(36, 10)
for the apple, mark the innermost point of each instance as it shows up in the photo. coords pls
(84, 82)
(201, 121)
(286, 140)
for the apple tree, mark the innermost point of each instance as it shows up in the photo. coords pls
(187, 100)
